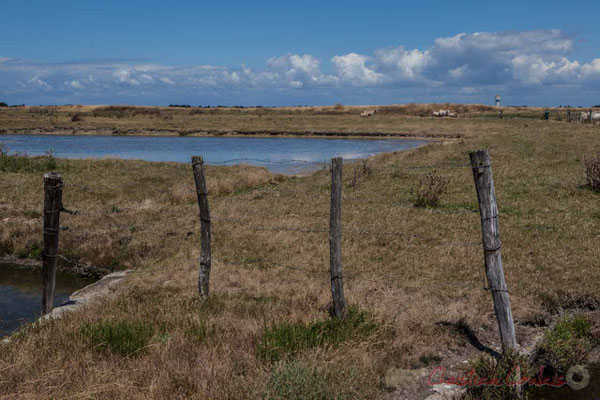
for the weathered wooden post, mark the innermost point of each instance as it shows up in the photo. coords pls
(488, 209)
(335, 239)
(53, 184)
(205, 232)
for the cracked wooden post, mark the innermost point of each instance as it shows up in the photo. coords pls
(335, 239)
(488, 209)
(205, 232)
(53, 184)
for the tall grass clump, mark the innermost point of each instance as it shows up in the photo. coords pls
(503, 371)
(592, 173)
(119, 337)
(290, 338)
(430, 190)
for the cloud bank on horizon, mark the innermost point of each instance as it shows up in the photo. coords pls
(529, 67)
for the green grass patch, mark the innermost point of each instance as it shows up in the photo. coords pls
(567, 343)
(24, 163)
(300, 380)
(198, 330)
(32, 251)
(119, 337)
(290, 338)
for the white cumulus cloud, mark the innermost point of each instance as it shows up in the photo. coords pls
(464, 67)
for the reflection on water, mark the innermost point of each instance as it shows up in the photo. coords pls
(21, 294)
(268, 152)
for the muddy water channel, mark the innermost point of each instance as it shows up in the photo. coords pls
(591, 391)
(21, 294)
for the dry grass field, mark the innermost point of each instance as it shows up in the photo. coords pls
(414, 275)
(402, 120)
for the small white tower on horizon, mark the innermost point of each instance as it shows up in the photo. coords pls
(497, 100)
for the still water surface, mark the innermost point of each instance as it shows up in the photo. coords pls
(21, 294)
(274, 153)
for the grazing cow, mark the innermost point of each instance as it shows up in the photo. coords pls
(588, 116)
(368, 113)
(452, 115)
(583, 116)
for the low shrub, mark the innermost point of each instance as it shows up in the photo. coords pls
(431, 188)
(592, 173)
(119, 337)
(290, 338)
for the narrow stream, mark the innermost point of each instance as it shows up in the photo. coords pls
(21, 294)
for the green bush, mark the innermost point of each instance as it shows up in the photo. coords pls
(290, 338)
(119, 337)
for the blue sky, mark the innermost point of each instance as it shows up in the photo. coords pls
(289, 53)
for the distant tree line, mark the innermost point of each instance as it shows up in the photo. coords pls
(3, 104)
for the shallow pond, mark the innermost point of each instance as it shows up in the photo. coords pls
(278, 154)
(21, 294)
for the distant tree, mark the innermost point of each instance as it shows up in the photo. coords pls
(3, 104)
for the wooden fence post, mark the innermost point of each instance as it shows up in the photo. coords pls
(205, 234)
(488, 209)
(53, 184)
(335, 239)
